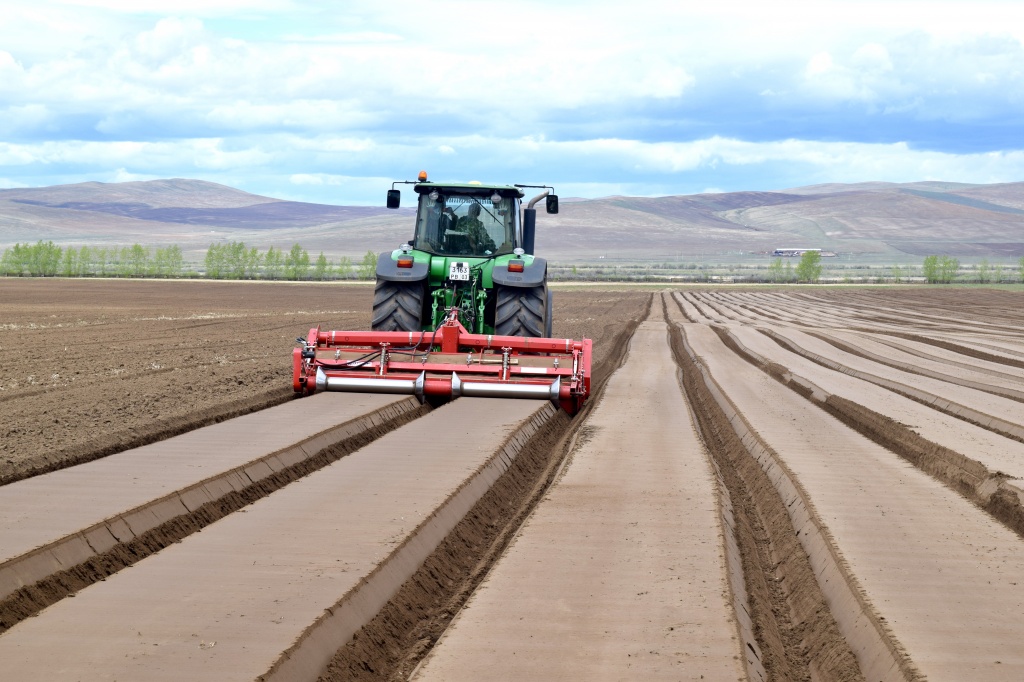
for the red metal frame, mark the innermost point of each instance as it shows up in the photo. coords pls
(445, 364)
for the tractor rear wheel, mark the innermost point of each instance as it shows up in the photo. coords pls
(521, 311)
(397, 306)
(549, 313)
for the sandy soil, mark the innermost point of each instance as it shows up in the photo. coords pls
(261, 594)
(883, 497)
(92, 367)
(620, 548)
(873, 488)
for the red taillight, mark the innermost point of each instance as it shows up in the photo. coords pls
(516, 265)
(405, 261)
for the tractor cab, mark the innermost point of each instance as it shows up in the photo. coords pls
(472, 219)
(472, 252)
(467, 220)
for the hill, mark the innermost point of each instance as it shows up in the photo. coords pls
(862, 222)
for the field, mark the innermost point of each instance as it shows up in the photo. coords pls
(790, 484)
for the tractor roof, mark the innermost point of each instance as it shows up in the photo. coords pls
(468, 188)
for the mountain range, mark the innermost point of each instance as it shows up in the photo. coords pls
(865, 222)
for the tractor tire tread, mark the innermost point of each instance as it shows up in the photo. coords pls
(521, 311)
(397, 306)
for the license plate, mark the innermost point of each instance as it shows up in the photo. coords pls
(459, 272)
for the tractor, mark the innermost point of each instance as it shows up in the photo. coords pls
(471, 250)
(463, 309)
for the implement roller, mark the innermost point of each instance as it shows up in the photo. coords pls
(445, 364)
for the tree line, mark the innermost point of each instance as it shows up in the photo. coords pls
(46, 259)
(235, 260)
(232, 260)
(935, 270)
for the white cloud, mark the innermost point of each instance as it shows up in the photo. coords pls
(315, 97)
(272, 165)
(181, 7)
(819, 64)
(314, 179)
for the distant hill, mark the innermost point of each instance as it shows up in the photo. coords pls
(863, 222)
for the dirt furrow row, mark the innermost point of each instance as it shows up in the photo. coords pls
(72, 528)
(279, 588)
(795, 619)
(621, 569)
(982, 465)
(461, 556)
(898, 540)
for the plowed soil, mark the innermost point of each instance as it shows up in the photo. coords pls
(866, 446)
(93, 367)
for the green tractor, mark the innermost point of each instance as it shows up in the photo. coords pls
(471, 252)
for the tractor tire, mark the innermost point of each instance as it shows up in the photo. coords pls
(521, 311)
(549, 313)
(397, 306)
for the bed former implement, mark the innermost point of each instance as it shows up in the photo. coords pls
(462, 309)
(445, 365)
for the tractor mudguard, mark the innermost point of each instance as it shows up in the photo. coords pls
(388, 270)
(533, 275)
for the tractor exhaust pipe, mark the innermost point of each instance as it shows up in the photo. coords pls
(530, 223)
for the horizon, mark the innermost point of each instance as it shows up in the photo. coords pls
(562, 198)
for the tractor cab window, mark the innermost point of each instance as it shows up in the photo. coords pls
(461, 225)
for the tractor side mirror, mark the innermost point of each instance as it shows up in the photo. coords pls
(394, 198)
(551, 202)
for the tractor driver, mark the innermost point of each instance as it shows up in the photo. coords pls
(440, 220)
(479, 240)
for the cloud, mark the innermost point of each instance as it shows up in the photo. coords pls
(277, 166)
(297, 95)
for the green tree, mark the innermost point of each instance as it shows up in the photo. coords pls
(345, 267)
(167, 262)
(775, 271)
(253, 259)
(321, 268)
(175, 261)
(273, 263)
(9, 264)
(85, 261)
(137, 258)
(103, 256)
(119, 261)
(215, 262)
(296, 263)
(948, 268)
(368, 266)
(897, 274)
(930, 268)
(984, 271)
(69, 266)
(45, 259)
(809, 267)
(234, 260)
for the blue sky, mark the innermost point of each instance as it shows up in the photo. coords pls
(330, 102)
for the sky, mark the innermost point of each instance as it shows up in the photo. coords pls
(332, 101)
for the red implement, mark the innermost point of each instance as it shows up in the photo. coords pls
(445, 364)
